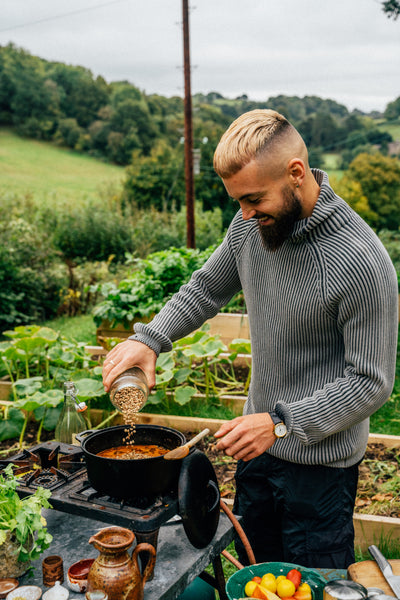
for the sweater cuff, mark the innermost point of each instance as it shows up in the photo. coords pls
(284, 412)
(158, 342)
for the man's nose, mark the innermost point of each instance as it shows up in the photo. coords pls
(248, 212)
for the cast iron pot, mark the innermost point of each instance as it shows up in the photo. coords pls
(129, 478)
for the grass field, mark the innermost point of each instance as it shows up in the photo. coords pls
(391, 127)
(48, 171)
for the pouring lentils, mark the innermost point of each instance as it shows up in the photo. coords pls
(129, 401)
(129, 394)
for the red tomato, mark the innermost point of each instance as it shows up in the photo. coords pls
(295, 577)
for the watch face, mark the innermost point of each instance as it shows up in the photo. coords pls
(280, 430)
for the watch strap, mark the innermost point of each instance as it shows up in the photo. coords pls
(275, 418)
(280, 430)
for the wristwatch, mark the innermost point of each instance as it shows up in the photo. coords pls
(280, 429)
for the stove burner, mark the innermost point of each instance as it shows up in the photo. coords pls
(46, 478)
(47, 465)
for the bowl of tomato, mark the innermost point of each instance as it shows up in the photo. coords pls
(276, 581)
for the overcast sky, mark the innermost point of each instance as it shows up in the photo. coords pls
(347, 50)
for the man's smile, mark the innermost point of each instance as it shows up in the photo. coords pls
(265, 220)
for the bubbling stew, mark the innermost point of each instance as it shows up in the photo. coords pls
(134, 451)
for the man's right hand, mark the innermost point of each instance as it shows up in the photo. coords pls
(125, 355)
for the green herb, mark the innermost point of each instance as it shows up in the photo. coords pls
(23, 517)
(153, 281)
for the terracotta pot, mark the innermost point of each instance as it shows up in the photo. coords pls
(114, 571)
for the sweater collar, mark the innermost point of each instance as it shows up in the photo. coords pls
(326, 207)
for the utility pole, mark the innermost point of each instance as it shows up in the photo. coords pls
(189, 181)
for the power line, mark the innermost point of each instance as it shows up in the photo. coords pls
(68, 14)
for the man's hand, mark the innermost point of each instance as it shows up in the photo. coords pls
(126, 355)
(246, 437)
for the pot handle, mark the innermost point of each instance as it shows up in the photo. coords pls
(145, 547)
(82, 435)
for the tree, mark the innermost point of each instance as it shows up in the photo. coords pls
(133, 117)
(351, 191)
(379, 179)
(156, 180)
(392, 110)
(391, 8)
(82, 95)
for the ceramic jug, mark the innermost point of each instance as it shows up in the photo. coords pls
(114, 571)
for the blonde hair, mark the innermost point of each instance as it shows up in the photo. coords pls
(250, 135)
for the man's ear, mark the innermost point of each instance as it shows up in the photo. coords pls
(296, 171)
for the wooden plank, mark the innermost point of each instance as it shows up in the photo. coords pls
(228, 325)
(5, 390)
(390, 441)
(235, 403)
(369, 529)
(95, 350)
(184, 424)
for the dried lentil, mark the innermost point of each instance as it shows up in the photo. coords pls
(129, 400)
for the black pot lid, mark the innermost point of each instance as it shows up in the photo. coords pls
(199, 496)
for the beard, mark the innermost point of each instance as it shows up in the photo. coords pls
(273, 236)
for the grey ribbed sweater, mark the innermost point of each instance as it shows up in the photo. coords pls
(323, 320)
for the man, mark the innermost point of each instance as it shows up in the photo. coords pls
(321, 296)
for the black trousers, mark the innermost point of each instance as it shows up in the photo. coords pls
(301, 514)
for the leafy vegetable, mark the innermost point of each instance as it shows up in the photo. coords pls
(23, 517)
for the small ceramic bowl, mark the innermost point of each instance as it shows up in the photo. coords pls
(7, 585)
(77, 575)
(27, 592)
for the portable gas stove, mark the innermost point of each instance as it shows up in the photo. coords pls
(61, 468)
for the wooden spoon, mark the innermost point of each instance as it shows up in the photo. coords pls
(182, 451)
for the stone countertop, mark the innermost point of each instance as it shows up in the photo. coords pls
(177, 564)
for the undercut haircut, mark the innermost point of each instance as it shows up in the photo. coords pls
(250, 135)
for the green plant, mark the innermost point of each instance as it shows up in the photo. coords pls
(196, 366)
(38, 360)
(23, 517)
(152, 283)
(92, 232)
(386, 420)
(154, 280)
(29, 275)
(33, 350)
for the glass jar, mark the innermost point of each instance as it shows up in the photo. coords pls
(129, 385)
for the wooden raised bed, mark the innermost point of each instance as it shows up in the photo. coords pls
(228, 325)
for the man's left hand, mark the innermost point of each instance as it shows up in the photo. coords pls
(246, 437)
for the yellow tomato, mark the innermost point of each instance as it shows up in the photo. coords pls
(269, 582)
(279, 578)
(250, 587)
(285, 588)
